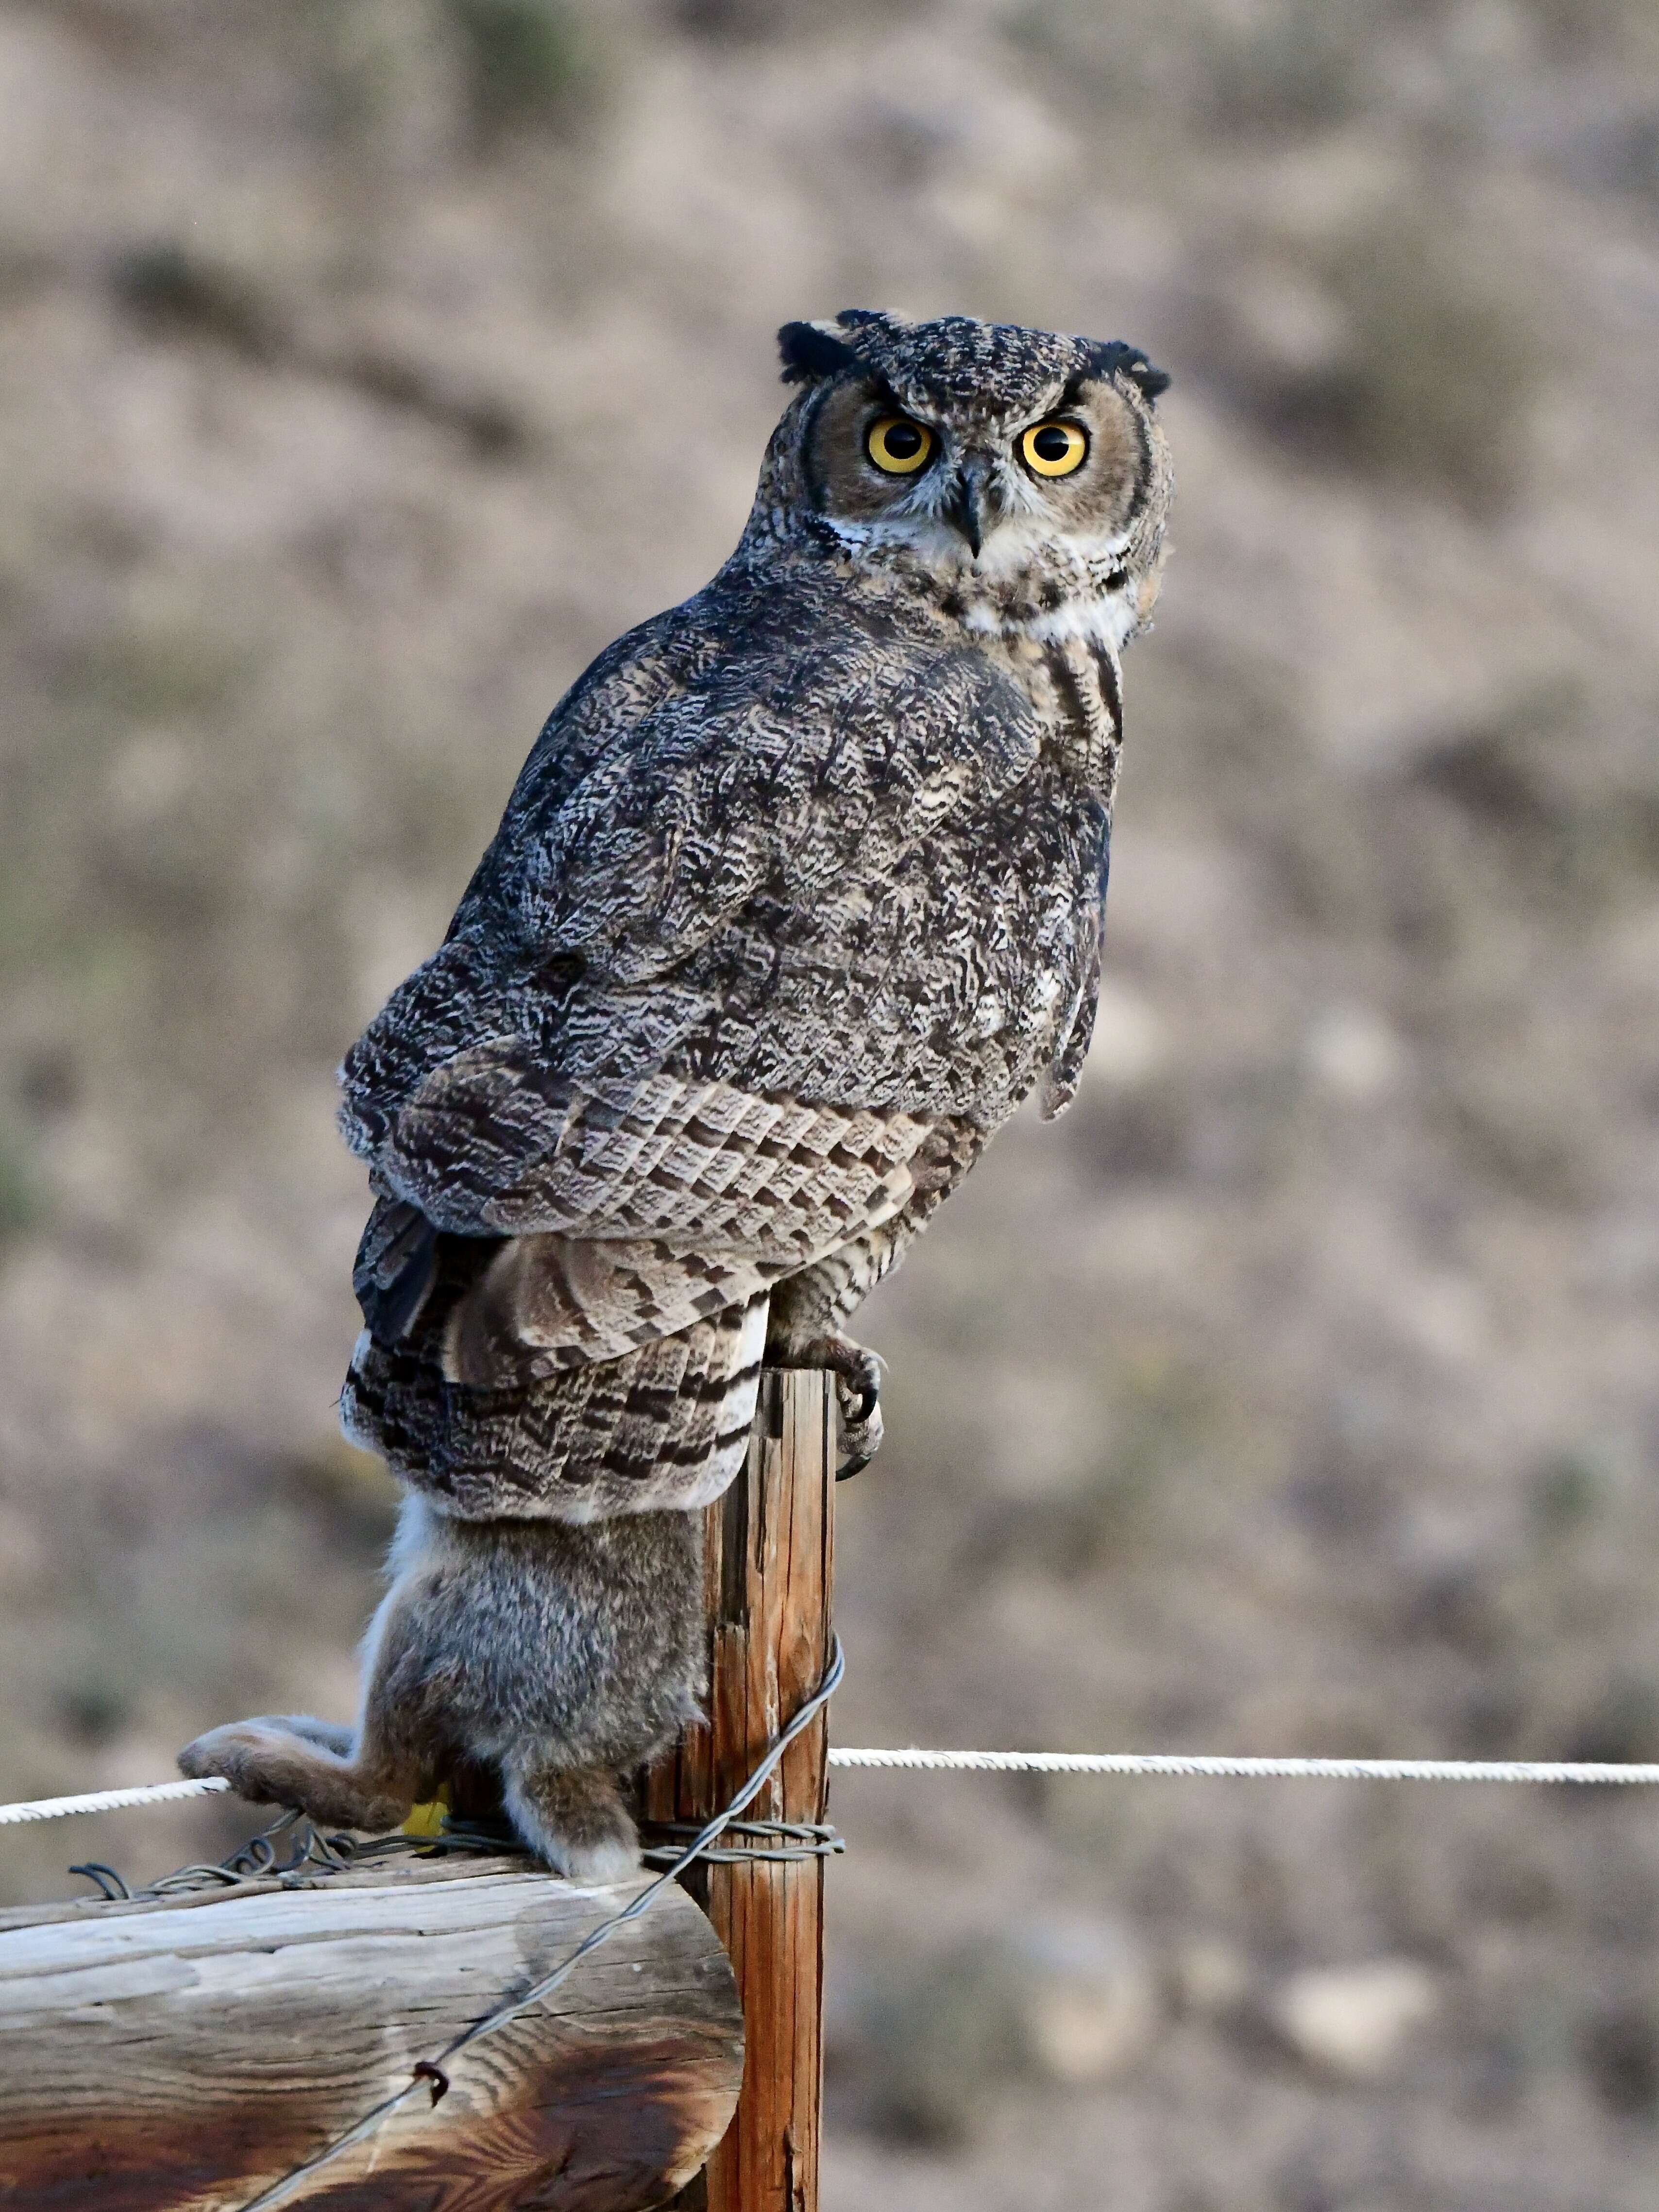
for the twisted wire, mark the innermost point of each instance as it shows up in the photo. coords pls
(780, 1842)
(316, 1855)
(1132, 1765)
(1143, 1764)
(106, 1801)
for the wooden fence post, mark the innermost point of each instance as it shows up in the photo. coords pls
(768, 1576)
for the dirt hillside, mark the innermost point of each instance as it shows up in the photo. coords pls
(364, 368)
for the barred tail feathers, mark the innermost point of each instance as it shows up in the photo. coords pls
(666, 1425)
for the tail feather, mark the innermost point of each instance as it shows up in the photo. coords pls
(666, 1425)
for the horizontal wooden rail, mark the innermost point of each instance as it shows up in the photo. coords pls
(178, 2055)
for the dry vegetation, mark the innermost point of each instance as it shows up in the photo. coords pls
(365, 365)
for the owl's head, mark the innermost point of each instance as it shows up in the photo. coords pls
(1020, 472)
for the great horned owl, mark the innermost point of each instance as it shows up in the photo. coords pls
(798, 897)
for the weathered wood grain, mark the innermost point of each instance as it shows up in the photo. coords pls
(770, 1578)
(184, 2054)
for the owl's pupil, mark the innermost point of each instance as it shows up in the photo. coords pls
(1051, 444)
(903, 441)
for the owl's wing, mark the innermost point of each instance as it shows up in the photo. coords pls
(787, 774)
(791, 769)
(495, 1144)
(635, 1209)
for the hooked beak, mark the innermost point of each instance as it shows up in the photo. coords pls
(967, 507)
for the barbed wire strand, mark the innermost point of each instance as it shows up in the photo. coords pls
(431, 2073)
(1593, 1773)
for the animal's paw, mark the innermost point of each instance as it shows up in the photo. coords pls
(596, 1863)
(305, 1765)
(248, 1754)
(575, 1820)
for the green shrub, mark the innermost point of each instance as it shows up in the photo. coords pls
(527, 62)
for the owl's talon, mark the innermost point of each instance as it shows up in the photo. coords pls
(857, 1370)
(860, 1431)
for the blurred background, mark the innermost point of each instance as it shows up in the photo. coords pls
(365, 366)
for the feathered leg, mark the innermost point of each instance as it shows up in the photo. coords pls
(804, 1332)
(805, 1326)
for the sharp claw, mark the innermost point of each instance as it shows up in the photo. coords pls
(858, 1372)
(861, 1437)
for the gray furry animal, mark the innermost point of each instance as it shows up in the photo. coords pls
(800, 894)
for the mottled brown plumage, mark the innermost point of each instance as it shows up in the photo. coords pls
(800, 894)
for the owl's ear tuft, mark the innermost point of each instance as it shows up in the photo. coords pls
(1121, 359)
(1152, 381)
(809, 350)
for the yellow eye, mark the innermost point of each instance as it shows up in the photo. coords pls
(1055, 449)
(897, 445)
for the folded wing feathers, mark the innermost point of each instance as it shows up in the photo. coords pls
(563, 1300)
(604, 1358)
(491, 1144)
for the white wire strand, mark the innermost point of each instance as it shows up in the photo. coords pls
(1178, 1764)
(1171, 1765)
(107, 1801)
